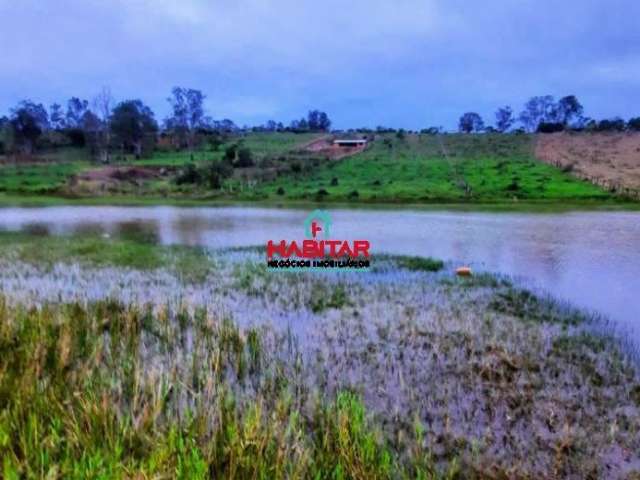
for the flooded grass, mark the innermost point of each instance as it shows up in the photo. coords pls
(425, 264)
(114, 371)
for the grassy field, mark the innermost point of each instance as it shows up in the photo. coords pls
(116, 365)
(261, 144)
(414, 169)
(37, 179)
(437, 169)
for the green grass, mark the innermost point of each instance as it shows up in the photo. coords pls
(75, 406)
(277, 143)
(37, 179)
(415, 170)
(190, 263)
(480, 168)
(261, 145)
(417, 264)
(103, 389)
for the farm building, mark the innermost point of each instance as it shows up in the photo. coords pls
(350, 142)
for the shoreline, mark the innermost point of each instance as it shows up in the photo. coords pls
(541, 206)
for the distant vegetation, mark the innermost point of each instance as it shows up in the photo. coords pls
(543, 114)
(106, 148)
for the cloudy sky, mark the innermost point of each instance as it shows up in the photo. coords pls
(403, 63)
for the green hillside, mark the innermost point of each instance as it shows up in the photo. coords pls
(427, 168)
(395, 168)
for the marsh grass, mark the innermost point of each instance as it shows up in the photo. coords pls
(524, 304)
(108, 371)
(424, 264)
(192, 264)
(80, 398)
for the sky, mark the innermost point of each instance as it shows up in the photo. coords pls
(400, 63)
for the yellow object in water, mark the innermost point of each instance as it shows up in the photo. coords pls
(463, 271)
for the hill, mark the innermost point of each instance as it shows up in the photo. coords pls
(289, 167)
(611, 160)
(435, 168)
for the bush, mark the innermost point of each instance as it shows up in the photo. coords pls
(76, 137)
(334, 182)
(230, 152)
(424, 264)
(634, 124)
(613, 125)
(354, 194)
(321, 193)
(245, 158)
(189, 175)
(550, 127)
(280, 191)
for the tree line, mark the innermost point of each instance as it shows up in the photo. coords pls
(543, 114)
(108, 127)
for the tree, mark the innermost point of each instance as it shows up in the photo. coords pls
(470, 122)
(103, 104)
(56, 116)
(131, 122)
(318, 121)
(245, 158)
(634, 124)
(188, 113)
(76, 108)
(28, 121)
(568, 109)
(536, 110)
(301, 125)
(504, 119)
(550, 127)
(230, 153)
(7, 138)
(611, 125)
(215, 142)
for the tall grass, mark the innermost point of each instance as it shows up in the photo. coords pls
(396, 373)
(110, 391)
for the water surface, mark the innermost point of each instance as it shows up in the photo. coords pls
(589, 258)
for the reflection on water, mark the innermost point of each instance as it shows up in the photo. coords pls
(590, 258)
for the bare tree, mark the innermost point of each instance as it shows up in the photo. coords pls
(504, 119)
(103, 104)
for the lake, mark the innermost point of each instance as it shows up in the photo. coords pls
(589, 258)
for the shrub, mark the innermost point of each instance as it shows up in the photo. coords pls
(245, 158)
(550, 127)
(424, 264)
(230, 152)
(334, 182)
(613, 125)
(189, 175)
(280, 191)
(634, 124)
